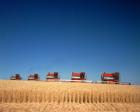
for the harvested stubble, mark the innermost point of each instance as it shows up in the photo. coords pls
(62, 92)
(69, 107)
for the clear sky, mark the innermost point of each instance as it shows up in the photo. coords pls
(92, 36)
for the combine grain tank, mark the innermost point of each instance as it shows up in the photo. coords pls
(54, 76)
(78, 76)
(110, 77)
(15, 77)
(33, 77)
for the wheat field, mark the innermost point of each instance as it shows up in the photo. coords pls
(41, 96)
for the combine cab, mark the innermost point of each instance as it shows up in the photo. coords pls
(33, 77)
(52, 76)
(15, 77)
(110, 78)
(78, 76)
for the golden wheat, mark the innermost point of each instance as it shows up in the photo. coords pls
(62, 92)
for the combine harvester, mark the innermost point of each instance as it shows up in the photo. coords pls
(111, 78)
(52, 76)
(15, 77)
(78, 77)
(106, 78)
(34, 77)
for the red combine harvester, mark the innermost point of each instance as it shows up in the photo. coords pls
(110, 78)
(15, 77)
(33, 77)
(52, 76)
(78, 76)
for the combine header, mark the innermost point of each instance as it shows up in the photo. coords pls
(53, 76)
(33, 77)
(15, 77)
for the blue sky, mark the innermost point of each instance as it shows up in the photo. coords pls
(93, 36)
